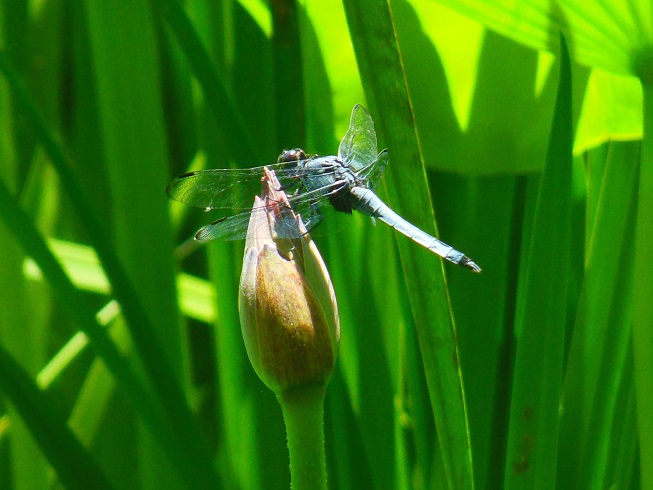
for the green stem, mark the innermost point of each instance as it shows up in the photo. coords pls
(303, 411)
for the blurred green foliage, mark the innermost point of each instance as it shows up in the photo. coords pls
(535, 374)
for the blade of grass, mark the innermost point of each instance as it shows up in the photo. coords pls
(20, 329)
(74, 465)
(643, 292)
(624, 467)
(380, 64)
(606, 425)
(254, 86)
(214, 88)
(540, 329)
(81, 313)
(317, 85)
(288, 83)
(126, 73)
(595, 161)
(596, 355)
(369, 306)
(424, 456)
(479, 214)
(196, 295)
(155, 362)
(250, 420)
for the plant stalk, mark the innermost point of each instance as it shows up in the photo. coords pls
(303, 413)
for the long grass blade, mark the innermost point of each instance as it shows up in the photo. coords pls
(153, 417)
(162, 377)
(75, 467)
(214, 88)
(379, 60)
(540, 329)
(643, 292)
(601, 338)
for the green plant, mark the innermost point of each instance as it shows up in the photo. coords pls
(534, 374)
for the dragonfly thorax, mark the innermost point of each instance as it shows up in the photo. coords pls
(330, 173)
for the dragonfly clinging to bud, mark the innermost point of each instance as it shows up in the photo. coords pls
(345, 183)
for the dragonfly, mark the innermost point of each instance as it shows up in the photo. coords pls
(319, 187)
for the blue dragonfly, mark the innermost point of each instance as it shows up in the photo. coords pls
(319, 186)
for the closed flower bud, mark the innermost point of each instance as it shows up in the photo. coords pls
(287, 306)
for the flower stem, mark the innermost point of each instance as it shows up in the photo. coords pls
(303, 411)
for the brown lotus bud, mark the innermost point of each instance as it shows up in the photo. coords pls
(288, 311)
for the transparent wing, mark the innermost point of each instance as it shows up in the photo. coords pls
(373, 174)
(235, 227)
(358, 148)
(229, 228)
(311, 206)
(234, 188)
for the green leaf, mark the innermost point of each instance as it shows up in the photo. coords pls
(643, 291)
(380, 63)
(540, 325)
(474, 113)
(607, 37)
(196, 295)
(598, 366)
(161, 429)
(140, 326)
(219, 101)
(75, 467)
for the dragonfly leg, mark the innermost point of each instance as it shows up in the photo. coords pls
(295, 184)
(314, 218)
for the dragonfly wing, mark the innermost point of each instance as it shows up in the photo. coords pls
(217, 188)
(236, 227)
(231, 188)
(372, 175)
(358, 148)
(312, 207)
(232, 227)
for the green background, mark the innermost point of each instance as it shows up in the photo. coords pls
(523, 129)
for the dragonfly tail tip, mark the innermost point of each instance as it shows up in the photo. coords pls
(470, 264)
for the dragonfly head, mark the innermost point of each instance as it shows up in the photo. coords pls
(294, 155)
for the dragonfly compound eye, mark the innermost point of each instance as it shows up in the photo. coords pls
(294, 155)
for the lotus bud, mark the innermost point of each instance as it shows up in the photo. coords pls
(287, 305)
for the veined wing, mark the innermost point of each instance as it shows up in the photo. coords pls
(233, 188)
(310, 206)
(358, 148)
(235, 227)
(373, 173)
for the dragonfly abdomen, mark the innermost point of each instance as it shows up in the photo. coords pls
(369, 203)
